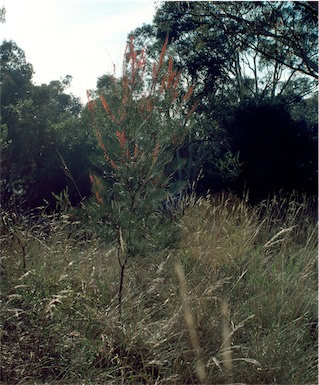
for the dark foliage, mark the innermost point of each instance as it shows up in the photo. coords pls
(276, 152)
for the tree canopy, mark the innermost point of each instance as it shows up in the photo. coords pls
(238, 54)
(253, 70)
(37, 123)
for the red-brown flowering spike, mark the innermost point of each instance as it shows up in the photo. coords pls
(133, 67)
(98, 197)
(174, 96)
(97, 184)
(91, 106)
(150, 105)
(163, 84)
(90, 102)
(156, 151)
(124, 98)
(161, 59)
(133, 57)
(126, 58)
(121, 137)
(142, 60)
(154, 71)
(131, 44)
(122, 112)
(101, 144)
(188, 94)
(113, 164)
(170, 73)
(176, 81)
(125, 85)
(171, 79)
(107, 108)
(135, 151)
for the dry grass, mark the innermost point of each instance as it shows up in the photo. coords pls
(242, 307)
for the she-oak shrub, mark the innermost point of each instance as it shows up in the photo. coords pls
(146, 120)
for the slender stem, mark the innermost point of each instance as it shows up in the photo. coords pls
(120, 294)
(121, 252)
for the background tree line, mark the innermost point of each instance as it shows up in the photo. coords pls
(254, 67)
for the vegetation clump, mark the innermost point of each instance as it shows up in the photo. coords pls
(248, 282)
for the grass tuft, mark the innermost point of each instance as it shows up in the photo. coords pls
(232, 300)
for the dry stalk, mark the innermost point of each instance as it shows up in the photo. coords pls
(200, 368)
(226, 352)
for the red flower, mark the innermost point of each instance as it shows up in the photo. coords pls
(121, 137)
(156, 151)
(106, 107)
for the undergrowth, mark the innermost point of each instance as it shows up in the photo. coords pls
(234, 299)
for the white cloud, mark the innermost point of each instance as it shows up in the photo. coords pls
(79, 38)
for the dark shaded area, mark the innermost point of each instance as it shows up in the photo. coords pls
(276, 152)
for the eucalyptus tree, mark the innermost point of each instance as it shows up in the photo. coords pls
(249, 48)
(235, 52)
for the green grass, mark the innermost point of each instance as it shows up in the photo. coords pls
(243, 310)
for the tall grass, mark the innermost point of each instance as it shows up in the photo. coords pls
(242, 306)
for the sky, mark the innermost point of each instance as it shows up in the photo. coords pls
(80, 38)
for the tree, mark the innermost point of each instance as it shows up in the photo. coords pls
(236, 52)
(285, 32)
(232, 41)
(42, 126)
(37, 124)
(15, 75)
(143, 126)
(138, 139)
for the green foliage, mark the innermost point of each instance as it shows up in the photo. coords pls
(63, 203)
(237, 52)
(241, 49)
(16, 72)
(142, 127)
(37, 123)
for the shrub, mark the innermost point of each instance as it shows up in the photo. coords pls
(146, 121)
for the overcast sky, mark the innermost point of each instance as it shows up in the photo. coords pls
(80, 38)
